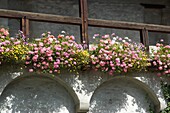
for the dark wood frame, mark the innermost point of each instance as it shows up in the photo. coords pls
(84, 22)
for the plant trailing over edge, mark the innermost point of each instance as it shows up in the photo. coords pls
(50, 54)
(114, 54)
(166, 92)
(161, 59)
(12, 49)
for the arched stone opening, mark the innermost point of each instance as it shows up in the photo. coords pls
(38, 94)
(124, 95)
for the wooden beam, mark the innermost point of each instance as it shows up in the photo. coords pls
(40, 17)
(82, 20)
(86, 23)
(145, 38)
(84, 27)
(128, 25)
(25, 27)
(77, 21)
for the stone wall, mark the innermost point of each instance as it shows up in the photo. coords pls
(89, 92)
(131, 11)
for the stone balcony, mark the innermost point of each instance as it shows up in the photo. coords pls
(89, 92)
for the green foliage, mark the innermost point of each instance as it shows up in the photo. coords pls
(166, 92)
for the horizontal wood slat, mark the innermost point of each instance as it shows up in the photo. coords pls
(128, 25)
(40, 17)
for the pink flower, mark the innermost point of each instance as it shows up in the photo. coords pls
(165, 66)
(36, 49)
(130, 65)
(160, 68)
(35, 58)
(55, 71)
(31, 70)
(50, 58)
(16, 43)
(43, 50)
(38, 65)
(28, 58)
(117, 60)
(154, 63)
(41, 44)
(111, 65)
(72, 37)
(27, 63)
(168, 55)
(7, 49)
(74, 63)
(125, 70)
(56, 66)
(120, 39)
(50, 71)
(30, 52)
(158, 45)
(167, 46)
(102, 63)
(66, 61)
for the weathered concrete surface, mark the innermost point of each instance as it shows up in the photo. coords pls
(120, 96)
(37, 95)
(22, 93)
(90, 90)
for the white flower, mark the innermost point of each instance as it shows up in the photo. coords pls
(50, 40)
(113, 41)
(129, 40)
(126, 38)
(63, 32)
(114, 38)
(124, 41)
(37, 39)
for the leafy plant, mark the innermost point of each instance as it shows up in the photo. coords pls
(166, 92)
(12, 49)
(161, 59)
(50, 54)
(114, 54)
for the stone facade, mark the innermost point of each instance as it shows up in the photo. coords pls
(89, 92)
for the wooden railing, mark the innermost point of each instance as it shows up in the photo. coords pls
(84, 22)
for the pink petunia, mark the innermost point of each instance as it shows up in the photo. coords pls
(31, 70)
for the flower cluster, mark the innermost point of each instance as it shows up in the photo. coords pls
(50, 54)
(161, 58)
(11, 49)
(114, 54)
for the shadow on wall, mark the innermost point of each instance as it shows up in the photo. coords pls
(38, 95)
(122, 95)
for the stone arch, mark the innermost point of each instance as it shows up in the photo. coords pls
(38, 93)
(123, 94)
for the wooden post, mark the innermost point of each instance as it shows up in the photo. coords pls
(145, 38)
(25, 26)
(84, 25)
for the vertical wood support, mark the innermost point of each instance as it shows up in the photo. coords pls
(84, 26)
(145, 38)
(25, 26)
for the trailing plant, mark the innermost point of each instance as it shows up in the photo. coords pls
(161, 59)
(50, 54)
(12, 49)
(114, 54)
(166, 92)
